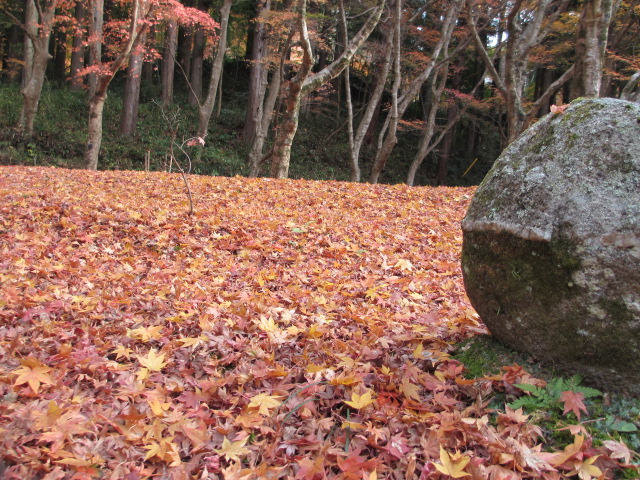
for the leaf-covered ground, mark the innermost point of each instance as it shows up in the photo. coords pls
(288, 329)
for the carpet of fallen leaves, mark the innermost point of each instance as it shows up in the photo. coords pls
(287, 329)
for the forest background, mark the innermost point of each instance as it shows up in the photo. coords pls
(418, 91)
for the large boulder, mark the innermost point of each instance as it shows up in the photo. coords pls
(551, 249)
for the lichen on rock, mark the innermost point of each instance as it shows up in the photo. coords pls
(551, 249)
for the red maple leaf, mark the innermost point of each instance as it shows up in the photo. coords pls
(573, 402)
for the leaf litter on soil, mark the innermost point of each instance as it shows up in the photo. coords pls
(287, 329)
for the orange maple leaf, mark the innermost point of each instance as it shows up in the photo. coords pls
(34, 376)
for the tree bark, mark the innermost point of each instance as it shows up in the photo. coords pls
(197, 61)
(206, 108)
(77, 49)
(131, 100)
(591, 47)
(168, 61)
(257, 76)
(96, 24)
(136, 33)
(38, 32)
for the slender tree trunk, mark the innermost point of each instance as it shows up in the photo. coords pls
(60, 56)
(77, 49)
(387, 138)
(96, 24)
(38, 56)
(304, 83)
(257, 75)
(99, 95)
(206, 108)
(31, 32)
(386, 144)
(185, 44)
(94, 136)
(425, 146)
(168, 62)
(131, 100)
(591, 46)
(447, 144)
(197, 61)
(266, 113)
(367, 124)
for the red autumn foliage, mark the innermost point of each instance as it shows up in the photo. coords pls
(286, 329)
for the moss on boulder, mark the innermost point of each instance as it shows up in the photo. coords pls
(551, 249)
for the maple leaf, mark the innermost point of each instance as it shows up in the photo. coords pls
(264, 403)
(573, 402)
(34, 376)
(404, 265)
(586, 470)
(311, 469)
(233, 450)
(452, 465)
(410, 390)
(152, 361)
(122, 351)
(360, 401)
(618, 450)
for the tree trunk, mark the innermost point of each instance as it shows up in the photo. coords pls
(447, 144)
(131, 100)
(387, 138)
(94, 136)
(77, 49)
(60, 56)
(369, 119)
(197, 60)
(257, 75)
(31, 32)
(206, 109)
(304, 83)
(168, 62)
(590, 47)
(96, 24)
(34, 72)
(185, 44)
(136, 33)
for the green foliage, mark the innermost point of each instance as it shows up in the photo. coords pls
(549, 397)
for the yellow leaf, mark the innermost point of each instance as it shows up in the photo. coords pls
(417, 353)
(264, 403)
(385, 370)
(360, 401)
(404, 265)
(586, 470)
(122, 351)
(157, 407)
(233, 450)
(267, 324)
(152, 361)
(192, 341)
(142, 374)
(34, 376)
(452, 465)
(145, 333)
